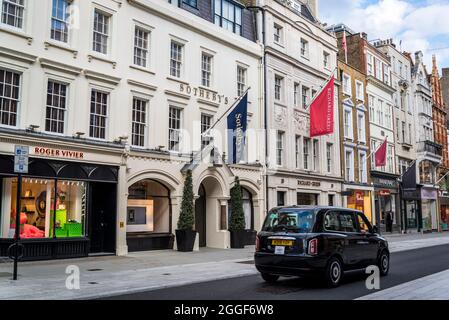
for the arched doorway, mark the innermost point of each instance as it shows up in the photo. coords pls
(209, 213)
(200, 216)
(149, 216)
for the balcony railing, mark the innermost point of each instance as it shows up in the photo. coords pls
(430, 147)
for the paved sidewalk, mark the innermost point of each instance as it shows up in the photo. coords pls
(143, 271)
(433, 287)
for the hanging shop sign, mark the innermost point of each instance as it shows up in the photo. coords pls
(204, 94)
(429, 194)
(21, 154)
(58, 153)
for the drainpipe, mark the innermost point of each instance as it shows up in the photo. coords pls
(259, 8)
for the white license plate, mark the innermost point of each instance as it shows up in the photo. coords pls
(279, 250)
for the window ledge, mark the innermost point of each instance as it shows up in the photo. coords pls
(17, 32)
(91, 57)
(51, 43)
(179, 80)
(139, 68)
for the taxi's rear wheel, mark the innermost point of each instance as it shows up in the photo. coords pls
(384, 263)
(333, 273)
(270, 278)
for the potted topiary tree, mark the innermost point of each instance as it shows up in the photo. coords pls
(237, 223)
(185, 235)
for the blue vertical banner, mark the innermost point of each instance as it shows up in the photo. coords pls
(237, 124)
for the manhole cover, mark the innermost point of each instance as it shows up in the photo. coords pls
(94, 269)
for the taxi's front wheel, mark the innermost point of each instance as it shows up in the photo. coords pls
(270, 278)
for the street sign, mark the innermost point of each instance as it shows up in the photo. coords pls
(21, 154)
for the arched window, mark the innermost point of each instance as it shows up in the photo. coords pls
(148, 207)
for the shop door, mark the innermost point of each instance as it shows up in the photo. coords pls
(200, 216)
(102, 217)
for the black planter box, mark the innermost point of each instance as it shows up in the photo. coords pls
(238, 239)
(185, 240)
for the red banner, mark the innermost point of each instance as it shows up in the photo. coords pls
(322, 112)
(381, 155)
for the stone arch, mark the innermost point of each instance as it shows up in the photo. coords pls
(167, 179)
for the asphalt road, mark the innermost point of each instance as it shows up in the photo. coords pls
(405, 266)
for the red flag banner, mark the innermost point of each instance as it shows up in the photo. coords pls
(381, 155)
(322, 112)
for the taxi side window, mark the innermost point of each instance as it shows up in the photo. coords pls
(364, 228)
(331, 222)
(347, 222)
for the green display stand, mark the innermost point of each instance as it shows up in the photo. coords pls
(74, 229)
(61, 218)
(61, 233)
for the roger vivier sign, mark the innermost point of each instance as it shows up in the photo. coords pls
(203, 94)
(58, 153)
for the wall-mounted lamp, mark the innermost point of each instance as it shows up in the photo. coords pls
(33, 128)
(78, 134)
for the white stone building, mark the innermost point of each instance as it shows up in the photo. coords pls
(300, 58)
(111, 96)
(429, 153)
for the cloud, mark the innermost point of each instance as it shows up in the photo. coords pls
(420, 24)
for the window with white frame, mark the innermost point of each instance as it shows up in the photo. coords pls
(349, 164)
(60, 20)
(56, 106)
(174, 129)
(306, 153)
(98, 114)
(347, 84)
(296, 94)
(280, 148)
(298, 151)
(370, 64)
(380, 112)
(378, 69)
(101, 31)
(388, 116)
(363, 177)
(361, 132)
(329, 151)
(206, 69)
(241, 80)
(398, 128)
(9, 97)
(206, 123)
(278, 87)
(386, 74)
(390, 160)
(277, 33)
(326, 59)
(359, 92)
(228, 15)
(304, 48)
(305, 92)
(371, 105)
(409, 133)
(316, 154)
(141, 47)
(139, 122)
(347, 122)
(176, 56)
(13, 13)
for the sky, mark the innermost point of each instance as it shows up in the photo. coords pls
(420, 24)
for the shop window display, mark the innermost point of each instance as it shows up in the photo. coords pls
(37, 214)
(148, 207)
(445, 218)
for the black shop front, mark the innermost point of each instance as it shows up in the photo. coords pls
(67, 208)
